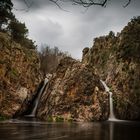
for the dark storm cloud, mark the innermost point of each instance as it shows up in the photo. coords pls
(72, 31)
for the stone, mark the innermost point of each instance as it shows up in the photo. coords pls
(74, 93)
(19, 75)
(116, 60)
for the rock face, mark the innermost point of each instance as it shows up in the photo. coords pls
(19, 75)
(117, 60)
(74, 93)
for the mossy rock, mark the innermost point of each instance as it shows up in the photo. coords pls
(50, 119)
(2, 118)
(59, 119)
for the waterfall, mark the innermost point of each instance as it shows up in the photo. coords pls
(111, 116)
(38, 98)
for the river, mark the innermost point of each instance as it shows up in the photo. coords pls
(36, 130)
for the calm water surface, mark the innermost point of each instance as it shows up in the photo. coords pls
(35, 130)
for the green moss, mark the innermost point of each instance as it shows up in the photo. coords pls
(6, 61)
(49, 119)
(14, 73)
(59, 119)
(2, 118)
(70, 120)
(28, 54)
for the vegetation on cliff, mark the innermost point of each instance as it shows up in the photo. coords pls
(19, 74)
(19, 62)
(50, 58)
(74, 93)
(116, 60)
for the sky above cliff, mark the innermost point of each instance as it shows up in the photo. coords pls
(73, 29)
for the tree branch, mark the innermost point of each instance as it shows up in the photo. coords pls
(129, 1)
(88, 3)
(57, 4)
(84, 3)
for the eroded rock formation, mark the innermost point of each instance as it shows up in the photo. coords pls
(19, 75)
(74, 93)
(117, 60)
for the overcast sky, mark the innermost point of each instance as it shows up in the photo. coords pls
(73, 30)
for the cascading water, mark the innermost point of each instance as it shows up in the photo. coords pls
(38, 98)
(35, 102)
(111, 116)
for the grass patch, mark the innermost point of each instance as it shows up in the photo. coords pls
(2, 118)
(59, 119)
(14, 73)
(49, 119)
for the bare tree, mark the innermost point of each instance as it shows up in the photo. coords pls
(88, 3)
(50, 58)
(84, 3)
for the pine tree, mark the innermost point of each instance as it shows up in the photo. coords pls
(5, 13)
(18, 30)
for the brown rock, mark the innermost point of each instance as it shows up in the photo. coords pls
(117, 61)
(19, 75)
(74, 93)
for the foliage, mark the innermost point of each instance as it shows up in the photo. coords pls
(18, 30)
(9, 24)
(50, 58)
(59, 119)
(2, 118)
(111, 34)
(49, 119)
(28, 43)
(5, 13)
(129, 47)
(13, 74)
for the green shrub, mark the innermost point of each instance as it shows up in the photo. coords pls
(2, 118)
(49, 119)
(14, 72)
(59, 119)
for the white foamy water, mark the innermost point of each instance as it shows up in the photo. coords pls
(111, 116)
(38, 98)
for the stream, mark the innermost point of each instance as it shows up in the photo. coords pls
(36, 130)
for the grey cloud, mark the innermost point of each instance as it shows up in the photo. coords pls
(74, 30)
(53, 31)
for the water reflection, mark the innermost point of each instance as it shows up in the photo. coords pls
(32, 130)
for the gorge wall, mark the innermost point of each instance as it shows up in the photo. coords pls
(74, 93)
(19, 75)
(116, 59)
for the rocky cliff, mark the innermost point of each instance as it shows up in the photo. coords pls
(117, 60)
(19, 75)
(74, 93)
